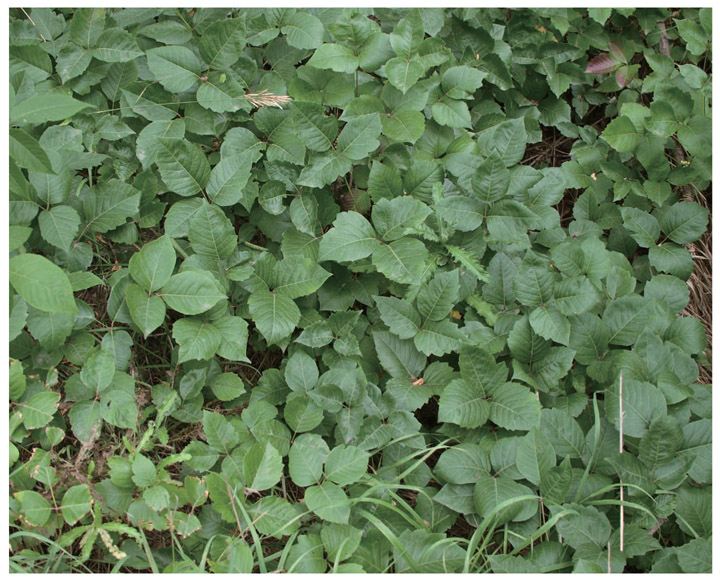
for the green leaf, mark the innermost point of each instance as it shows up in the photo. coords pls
(404, 126)
(463, 464)
(227, 386)
(153, 265)
(359, 137)
(464, 403)
(697, 445)
(508, 221)
(643, 403)
(76, 503)
(274, 517)
(508, 139)
(307, 456)
(436, 299)
(262, 467)
(622, 135)
(234, 334)
(408, 35)
(324, 169)
(515, 407)
(85, 420)
(147, 311)
(696, 136)
(491, 491)
(192, 292)
(399, 357)
(175, 67)
(351, 238)
(301, 372)
(462, 81)
(34, 508)
(628, 316)
(39, 410)
(563, 432)
(400, 317)
(693, 35)
(695, 557)
(28, 153)
(683, 222)
(303, 31)
(439, 337)
(298, 276)
(219, 432)
(116, 45)
(346, 465)
(228, 179)
(550, 324)
(659, 444)
(183, 166)
(301, 414)
(334, 57)
(48, 107)
(18, 235)
(671, 258)
(147, 143)
(275, 315)
(211, 233)
(304, 213)
(144, 473)
(59, 226)
(222, 43)
(109, 205)
(590, 526)
(316, 130)
(643, 227)
(42, 283)
(535, 456)
(461, 213)
(403, 74)
(197, 339)
(221, 93)
(328, 502)
(491, 180)
(452, 113)
(392, 218)
(403, 260)
(694, 510)
(50, 329)
(533, 284)
(575, 296)
(98, 371)
(340, 541)
(669, 289)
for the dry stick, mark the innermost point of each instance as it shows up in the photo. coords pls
(34, 25)
(622, 489)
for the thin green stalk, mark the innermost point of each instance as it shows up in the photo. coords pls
(148, 550)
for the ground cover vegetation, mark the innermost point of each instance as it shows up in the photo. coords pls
(359, 290)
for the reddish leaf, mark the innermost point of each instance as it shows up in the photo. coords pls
(621, 76)
(601, 64)
(616, 52)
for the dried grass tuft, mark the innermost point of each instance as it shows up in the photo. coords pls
(265, 98)
(700, 282)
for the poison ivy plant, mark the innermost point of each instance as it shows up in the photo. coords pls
(358, 290)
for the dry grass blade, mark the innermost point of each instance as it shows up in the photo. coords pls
(700, 282)
(265, 98)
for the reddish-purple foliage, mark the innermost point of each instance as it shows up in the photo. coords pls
(601, 64)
